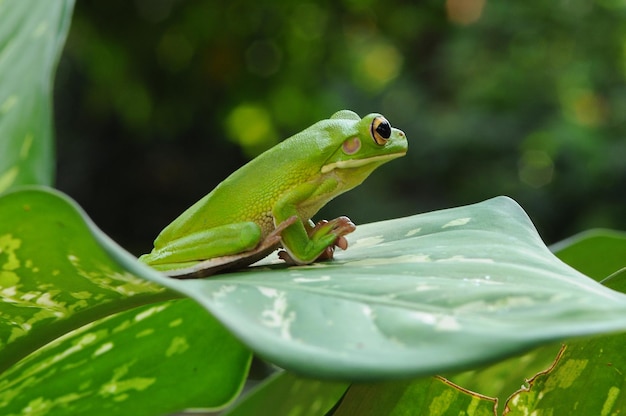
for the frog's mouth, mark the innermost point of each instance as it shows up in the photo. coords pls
(356, 163)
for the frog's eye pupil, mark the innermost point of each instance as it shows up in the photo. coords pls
(384, 129)
(381, 130)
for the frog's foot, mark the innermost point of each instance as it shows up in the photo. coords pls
(339, 226)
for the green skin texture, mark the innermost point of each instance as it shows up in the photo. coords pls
(296, 177)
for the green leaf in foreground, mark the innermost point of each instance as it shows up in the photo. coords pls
(55, 276)
(32, 34)
(63, 348)
(414, 296)
(151, 360)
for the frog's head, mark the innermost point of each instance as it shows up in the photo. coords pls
(362, 144)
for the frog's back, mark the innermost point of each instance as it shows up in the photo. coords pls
(250, 193)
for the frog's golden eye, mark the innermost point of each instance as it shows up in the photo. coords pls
(380, 130)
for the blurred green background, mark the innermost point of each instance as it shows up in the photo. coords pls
(157, 101)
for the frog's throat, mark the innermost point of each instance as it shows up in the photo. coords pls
(355, 163)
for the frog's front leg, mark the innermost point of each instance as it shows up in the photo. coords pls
(342, 226)
(229, 239)
(341, 241)
(304, 243)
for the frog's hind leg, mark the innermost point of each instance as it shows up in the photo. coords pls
(202, 245)
(235, 261)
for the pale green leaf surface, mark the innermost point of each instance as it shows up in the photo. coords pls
(588, 251)
(419, 295)
(590, 376)
(151, 360)
(560, 387)
(54, 275)
(286, 394)
(32, 34)
(596, 253)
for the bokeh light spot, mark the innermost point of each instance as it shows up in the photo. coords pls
(536, 168)
(377, 65)
(251, 127)
(464, 12)
(589, 108)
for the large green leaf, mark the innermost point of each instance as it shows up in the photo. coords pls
(59, 273)
(418, 295)
(54, 276)
(596, 253)
(588, 377)
(152, 360)
(413, 296)
(32, 34)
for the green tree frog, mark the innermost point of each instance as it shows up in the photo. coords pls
(268, 203)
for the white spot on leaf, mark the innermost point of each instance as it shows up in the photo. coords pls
(368, 312)
(447, 323)
(407, 258)
(413, 232)
(8, 177)
(323, 278)
(178, 346)
(41, 29)
(268, 291)
(223, 291)
(175, 323)
(368, 241)
(463, 259)
(146, 332)
(277, 316)
(149, 312)
(8, 248)
(456, 223)
(609, 403)
(107, 346)
(8, 103)
(118, 387)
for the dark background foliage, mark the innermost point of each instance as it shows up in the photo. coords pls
(158, 101)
